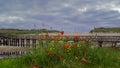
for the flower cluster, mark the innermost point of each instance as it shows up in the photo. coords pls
(55, 50)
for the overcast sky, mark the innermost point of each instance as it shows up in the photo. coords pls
(67, 15)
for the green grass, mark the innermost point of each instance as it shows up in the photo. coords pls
(106, 30)
(65, 55)
(55, 55)
(23, 31)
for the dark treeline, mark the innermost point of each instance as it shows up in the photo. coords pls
(106, 30)
(25, 31)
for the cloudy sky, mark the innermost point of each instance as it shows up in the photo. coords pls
(67, 15)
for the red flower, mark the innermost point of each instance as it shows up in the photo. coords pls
(34, 66)
(49, 52)
(66, 46)
(76, 37)
(83, 59)
(47, 35)
(56, 37)
(62, 32)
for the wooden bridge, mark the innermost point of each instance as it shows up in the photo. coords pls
(30, 40)
(18, 40)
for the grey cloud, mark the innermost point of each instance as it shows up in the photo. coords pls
(70, 15)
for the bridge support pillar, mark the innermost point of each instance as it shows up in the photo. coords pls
(100, 43)
(25, 42)
(2, 42)
(8, 42)
(31, 43)
(22, 43)
(19, 42)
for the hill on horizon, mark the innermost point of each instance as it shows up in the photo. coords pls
(106, 30)
(25, 31)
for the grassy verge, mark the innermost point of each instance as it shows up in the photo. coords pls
(64, 54)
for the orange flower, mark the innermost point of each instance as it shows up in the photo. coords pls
(34, 66)
(62, 32)
(49, 52)
(66, 46)
(76, 37)
(83, 59)
(56, 37)
(47, 35)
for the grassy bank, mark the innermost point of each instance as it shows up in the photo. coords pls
(23, 31)
(64, 54)
(106, 30)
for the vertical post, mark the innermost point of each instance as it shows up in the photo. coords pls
(19, 42)
(8, 41)
(13, 42)
(2, 41)
(30, 43)
(24, 42)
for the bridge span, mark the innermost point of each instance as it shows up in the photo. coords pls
(29, 40)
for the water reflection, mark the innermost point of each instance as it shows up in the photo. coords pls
(11, 54)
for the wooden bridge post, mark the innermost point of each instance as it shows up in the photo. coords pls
(2, 42)
(8, 41)
(25, 42)
(20, 42)
(14, 42)
(30, 43)
(100, 43)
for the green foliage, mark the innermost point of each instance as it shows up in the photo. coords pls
(56, 54)
(106, 30)
(20, 31)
